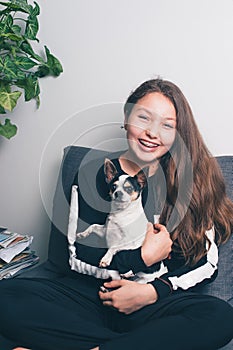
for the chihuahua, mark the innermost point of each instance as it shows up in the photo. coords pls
(124, 228)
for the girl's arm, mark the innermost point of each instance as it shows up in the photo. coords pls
(128, 296)
(189, 277)
(180, 276)
(156, 247)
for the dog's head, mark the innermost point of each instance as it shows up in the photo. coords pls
(123, 189)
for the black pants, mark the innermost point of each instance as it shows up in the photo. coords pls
(67, 315)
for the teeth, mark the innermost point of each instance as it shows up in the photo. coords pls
(148, 144)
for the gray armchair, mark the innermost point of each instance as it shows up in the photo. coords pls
(57, 263)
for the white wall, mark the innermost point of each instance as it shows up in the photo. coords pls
(107, 48)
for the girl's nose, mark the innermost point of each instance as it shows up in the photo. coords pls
(152, 131)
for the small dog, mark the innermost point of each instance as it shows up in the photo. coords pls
(126, 225)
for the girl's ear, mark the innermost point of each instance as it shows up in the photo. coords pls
(125, 123)
(110, 170)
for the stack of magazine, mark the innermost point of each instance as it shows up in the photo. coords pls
(15, 253)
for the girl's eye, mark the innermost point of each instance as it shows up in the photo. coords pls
(143, 117)
(168, 126)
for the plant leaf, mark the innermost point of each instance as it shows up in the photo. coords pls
(42, 71)
(55, 67)
(2, 27)
(32, 28)
(5, 46)
(24, 62)
(37, 98)
(20, 65)
(36, 10)
(17, 5)
(11, 71)
(4, 86)
(8, 130)
(2, 110)
(6, 22)
(1, 64)
(8, 100)
(26, 47)
(12, 36)
(16, 29)
(31, 87)
(8, 69)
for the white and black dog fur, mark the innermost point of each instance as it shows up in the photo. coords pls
(125, 226)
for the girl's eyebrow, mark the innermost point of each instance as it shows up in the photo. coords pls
(170, 118)
(143, 109)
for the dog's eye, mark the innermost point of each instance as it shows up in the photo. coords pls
(128, 189)
(113, 187)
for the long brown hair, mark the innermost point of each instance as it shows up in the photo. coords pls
(196, 196)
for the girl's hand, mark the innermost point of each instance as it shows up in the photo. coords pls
(157, 244)
(128, 296)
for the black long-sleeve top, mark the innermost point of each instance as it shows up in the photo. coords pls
(94, 206)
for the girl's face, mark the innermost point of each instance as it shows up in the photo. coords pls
(151, 129)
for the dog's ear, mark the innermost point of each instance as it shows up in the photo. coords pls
(141, 177)
(110, 170)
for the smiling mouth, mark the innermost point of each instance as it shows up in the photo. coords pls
(148, 144)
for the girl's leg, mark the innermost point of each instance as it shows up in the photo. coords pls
(6, 344)
(35, 314)
(182, 322)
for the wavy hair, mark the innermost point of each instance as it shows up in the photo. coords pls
(196, 196)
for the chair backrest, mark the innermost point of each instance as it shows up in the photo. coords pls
(58, 248)
(72, 158)
(222, 287)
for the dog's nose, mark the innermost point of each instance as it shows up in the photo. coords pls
(118, 195)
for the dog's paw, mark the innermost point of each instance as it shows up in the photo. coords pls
(81, 235)
(104, 263)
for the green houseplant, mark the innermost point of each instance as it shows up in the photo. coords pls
(20, 66)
